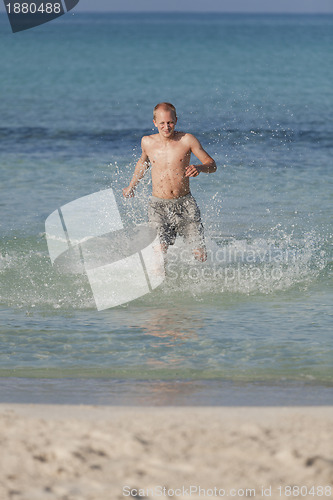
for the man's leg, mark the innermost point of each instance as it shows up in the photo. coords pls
(192, 229)
(159, 219)
(200, 254)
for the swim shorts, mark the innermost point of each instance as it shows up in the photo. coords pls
(177, 216)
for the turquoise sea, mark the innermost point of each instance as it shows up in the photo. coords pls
(253, 325)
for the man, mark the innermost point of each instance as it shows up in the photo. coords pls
(172, 208)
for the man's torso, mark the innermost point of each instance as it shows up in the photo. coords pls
(168, 164)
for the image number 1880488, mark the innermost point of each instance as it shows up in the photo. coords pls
(34, 8)
(26, 15)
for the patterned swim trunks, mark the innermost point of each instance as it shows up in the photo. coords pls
(177, 216)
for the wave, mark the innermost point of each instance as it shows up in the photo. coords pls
(25, 135)
(239, 136)
(235, 268)
(22, 134)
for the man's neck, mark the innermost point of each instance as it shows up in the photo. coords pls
(165, 140)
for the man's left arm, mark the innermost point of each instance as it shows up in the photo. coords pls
(207, 166)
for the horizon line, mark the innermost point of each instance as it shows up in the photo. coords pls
(261, 13)
(199, 12)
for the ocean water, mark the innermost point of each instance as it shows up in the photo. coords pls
(252, 325)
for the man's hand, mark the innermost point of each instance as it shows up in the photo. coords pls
(128, 192)
(192, 171)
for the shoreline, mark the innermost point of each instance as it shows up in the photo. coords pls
(163, 392)
(52, 452)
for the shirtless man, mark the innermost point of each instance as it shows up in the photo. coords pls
(172, 208)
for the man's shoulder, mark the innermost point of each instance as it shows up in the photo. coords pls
(183, 136)
(187, 137)
(149, 139)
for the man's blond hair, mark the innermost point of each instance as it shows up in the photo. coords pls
(167, 106)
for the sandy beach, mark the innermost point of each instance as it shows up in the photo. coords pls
(108, 453)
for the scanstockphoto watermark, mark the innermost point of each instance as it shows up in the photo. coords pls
(264, 491)
(87, 236)
(229, 265)
(227, 275)
(189, 491)
(121, 264)
(246, 254)
(25, 15)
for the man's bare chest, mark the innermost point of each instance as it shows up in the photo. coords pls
(172, 156)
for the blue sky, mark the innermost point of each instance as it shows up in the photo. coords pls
(306, 6)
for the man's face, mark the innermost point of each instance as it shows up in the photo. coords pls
(165, 121)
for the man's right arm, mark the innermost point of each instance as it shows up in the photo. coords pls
(140, 169)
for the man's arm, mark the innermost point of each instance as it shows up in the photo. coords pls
(140, 169)
(208, 165)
